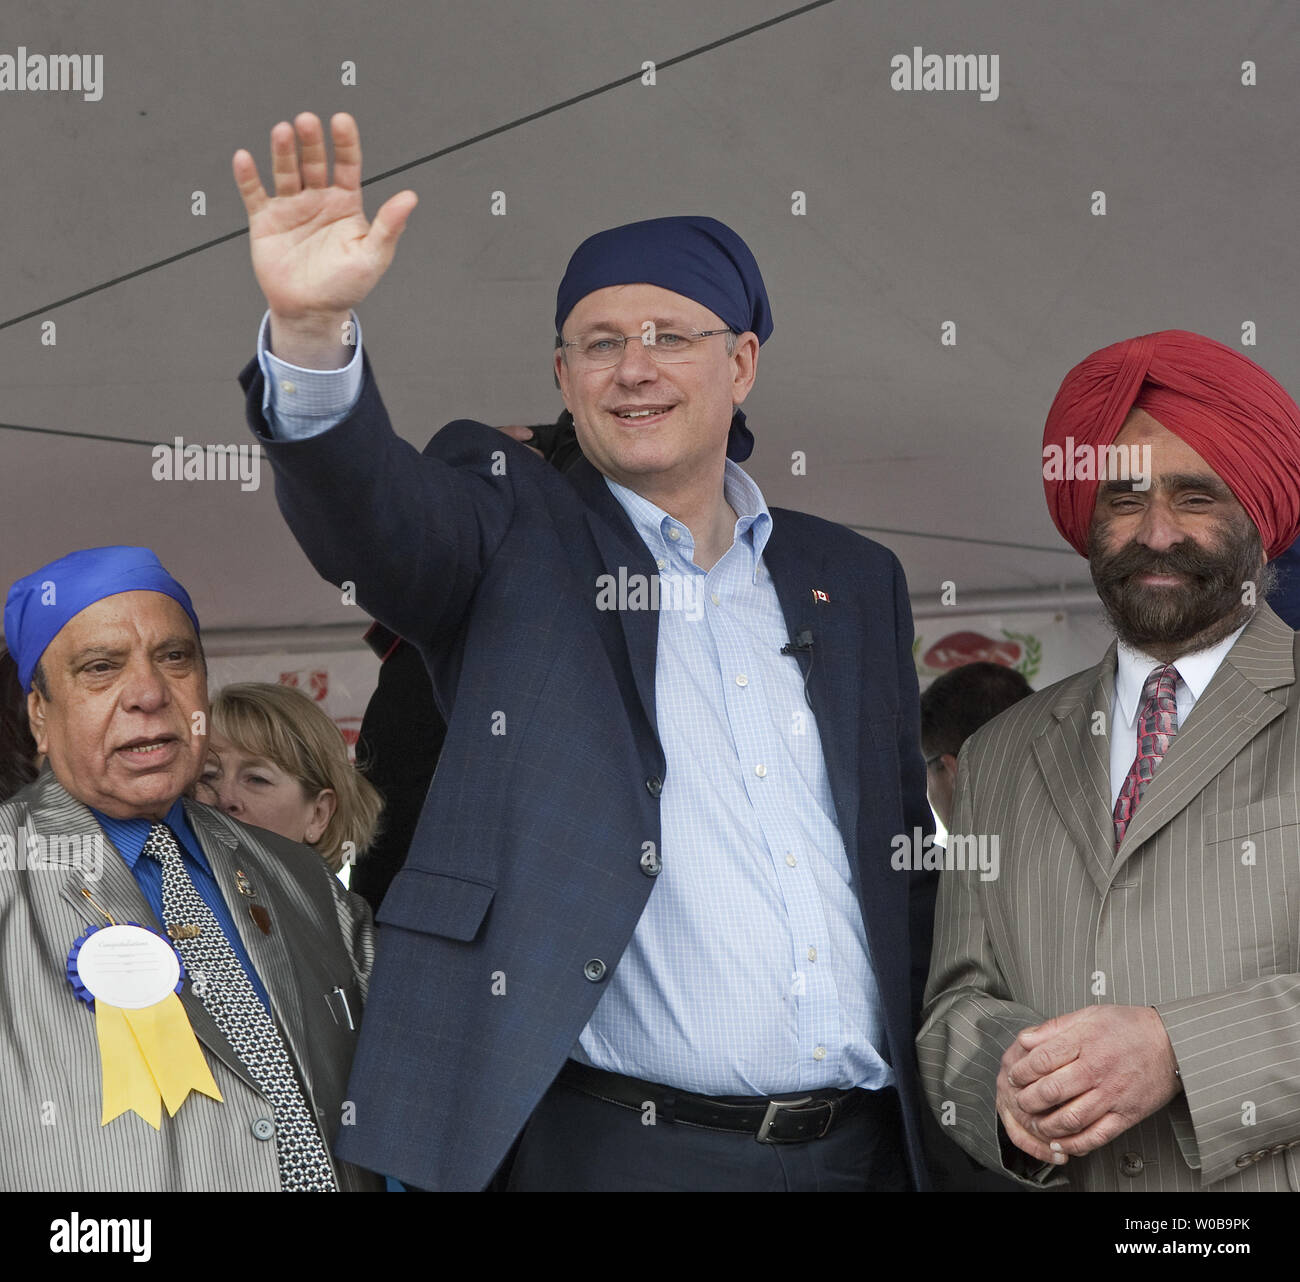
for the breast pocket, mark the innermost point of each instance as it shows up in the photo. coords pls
(1250, 877)
(436, 904)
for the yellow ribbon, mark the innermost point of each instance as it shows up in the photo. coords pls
(149, 1057)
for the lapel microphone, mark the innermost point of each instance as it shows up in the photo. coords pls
(802, 643)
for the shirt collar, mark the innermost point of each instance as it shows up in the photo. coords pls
(129, 835)
(1194, 671)
(653, 524)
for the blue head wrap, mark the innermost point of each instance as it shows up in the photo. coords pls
(39, 604)
(699, 258)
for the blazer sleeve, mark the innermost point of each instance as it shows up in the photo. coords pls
(1237, 1052)
(969, 1019)
(411, 532)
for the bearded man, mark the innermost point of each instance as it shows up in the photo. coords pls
(1120, 1009)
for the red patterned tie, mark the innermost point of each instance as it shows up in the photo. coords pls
(1156, 725)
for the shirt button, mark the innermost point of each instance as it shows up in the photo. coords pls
(288, 388)
(819, 1052)
(812, 954)
(654, 785)
(715, 598)
(791, 860)
(674, 534)
(651, 864)
(761, 771)
(594, 970)
(742, 679)
(661, 563)
(263, 1128)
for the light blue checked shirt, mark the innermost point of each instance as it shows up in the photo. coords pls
(749, 971)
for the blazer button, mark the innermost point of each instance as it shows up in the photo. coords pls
(654, 785)
(263, 1128)
(1131, 1164)
(651, 864)
(594, 970)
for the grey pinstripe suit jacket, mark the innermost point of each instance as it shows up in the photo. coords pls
(50, 1094)
(1196, 915)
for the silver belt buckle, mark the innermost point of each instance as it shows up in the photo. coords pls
(775, 1106)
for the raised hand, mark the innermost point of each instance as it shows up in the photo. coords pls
(315, 254)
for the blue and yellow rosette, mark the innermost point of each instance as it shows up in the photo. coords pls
(148, 1053)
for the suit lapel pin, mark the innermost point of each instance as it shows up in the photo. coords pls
(243, 885)
(820, 596)
(261, 917)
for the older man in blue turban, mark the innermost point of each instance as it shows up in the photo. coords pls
(649, 934)
(152, 950)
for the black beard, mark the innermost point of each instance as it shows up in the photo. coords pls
(1171, 621)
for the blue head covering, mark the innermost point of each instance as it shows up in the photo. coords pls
(699, 258)
(39, 604)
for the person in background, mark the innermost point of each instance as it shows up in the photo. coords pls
(953, 707)
(276, 761)
(18, 753)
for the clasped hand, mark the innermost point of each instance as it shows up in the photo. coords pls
(1072, 1084)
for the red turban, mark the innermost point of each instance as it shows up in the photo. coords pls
(1234, 414)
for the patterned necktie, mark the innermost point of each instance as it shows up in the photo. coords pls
(222, 985)
(1156, 725)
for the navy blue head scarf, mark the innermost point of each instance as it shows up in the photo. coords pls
(699, 258)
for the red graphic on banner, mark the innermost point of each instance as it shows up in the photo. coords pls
(959, 648)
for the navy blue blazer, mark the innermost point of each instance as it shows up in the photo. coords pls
(525, 878)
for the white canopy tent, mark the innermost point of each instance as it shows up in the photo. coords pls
(921, 208)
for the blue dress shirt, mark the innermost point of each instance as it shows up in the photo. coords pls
(129, 836)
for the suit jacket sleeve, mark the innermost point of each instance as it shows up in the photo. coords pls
(969, 1017)
(1237, 1051)
(368, 509)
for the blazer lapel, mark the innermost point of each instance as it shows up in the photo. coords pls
(1232, 709)
(116, 894)
(1075, 763)
(836, 674)
(229, 857)
(621, 547)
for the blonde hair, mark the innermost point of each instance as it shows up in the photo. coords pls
(285, 727)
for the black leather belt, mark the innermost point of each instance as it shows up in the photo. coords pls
(808, 1116)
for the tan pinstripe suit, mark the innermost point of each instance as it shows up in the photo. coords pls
(50, 1136)
(1196, 915)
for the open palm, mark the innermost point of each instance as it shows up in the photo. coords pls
(314, 252)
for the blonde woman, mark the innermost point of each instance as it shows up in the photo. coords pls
(277, 761)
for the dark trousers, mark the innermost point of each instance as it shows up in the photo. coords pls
(576, 1143)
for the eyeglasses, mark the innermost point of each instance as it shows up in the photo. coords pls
(601, 350)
